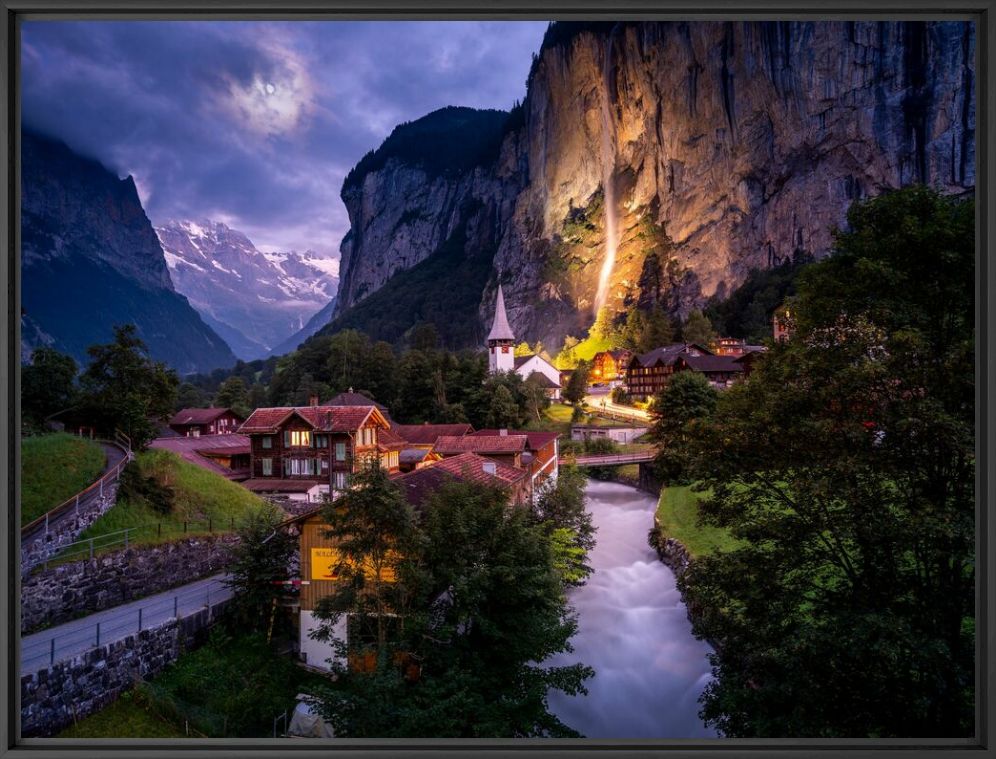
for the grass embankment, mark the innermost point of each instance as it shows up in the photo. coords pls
(678, 516)
(231, 687)
(205, 501)
(53, 469)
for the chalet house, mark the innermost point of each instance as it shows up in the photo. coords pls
(543, 449)
(610, 366)
(319, 559)
(309, 451)
(194, 422)
(424, 436)
(647, 373)
(506, 449)
(719, 370)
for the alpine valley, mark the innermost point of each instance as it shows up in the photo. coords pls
(721, 148)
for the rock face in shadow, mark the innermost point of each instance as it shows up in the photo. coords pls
(736, 145)
(91, 260)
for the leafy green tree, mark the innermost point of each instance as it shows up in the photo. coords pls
(846, 466)
(258, 561)
(495, 606)
(536, 398)
(503, 411)
(577, 385)
(658, 330)
(189, 395)
(698, 329)
(686, 400)
(561, 509)
(48, 385)
(257, 396)
(234, 395)
(123, 388)
(424, 337)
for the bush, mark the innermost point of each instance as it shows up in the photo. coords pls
(135, 487)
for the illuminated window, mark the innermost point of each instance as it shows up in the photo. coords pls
(297, 438)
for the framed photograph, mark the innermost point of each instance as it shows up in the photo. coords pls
(497, 378)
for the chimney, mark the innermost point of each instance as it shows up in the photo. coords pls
(490, 468)
(313, 400)
(503, 432)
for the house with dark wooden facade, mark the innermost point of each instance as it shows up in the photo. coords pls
(647, 373)
(194, 422)
(306, 452)
(542, 449)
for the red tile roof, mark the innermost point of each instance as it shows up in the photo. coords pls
(321, 418)
(427, 434)
(199, 415)
(225, 450)
(478, 443)
(536, 439)
(389, 440)
(189, 449)
(420, 484)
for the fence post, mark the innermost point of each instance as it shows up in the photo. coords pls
(101, 487)
(159, 530)
(91, 548)
(184, 527)
(46, 523)
(175, 605)
(77, 504)
(126, 536)
(210, 525)
(98, 633)
(51, 657)
(140, 619)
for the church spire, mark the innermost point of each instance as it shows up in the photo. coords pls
(500, 329)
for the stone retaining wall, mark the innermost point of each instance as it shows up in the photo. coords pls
(67, 591)
(56, 697)
(67, 529)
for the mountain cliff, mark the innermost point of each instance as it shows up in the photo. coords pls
(254, 299)
(702, 150)
(90, 260)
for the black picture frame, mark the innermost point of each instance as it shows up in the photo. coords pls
(982, 12)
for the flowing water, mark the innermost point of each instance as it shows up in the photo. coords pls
(633, 629)
(608, 189)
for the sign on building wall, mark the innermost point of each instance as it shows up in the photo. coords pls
(326, 563)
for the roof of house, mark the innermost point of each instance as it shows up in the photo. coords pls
(277, 485)
(542, 380)
(191, 449)
(319, 418)
(666, 354)
(616, 353)
(535, 440)
(427, 434)
(389, 440)
(420, 484)
(199, 415)
(225, 451)
(481, 443)
(413, 455)
(351, 398)
(500, 329)
(712, 363)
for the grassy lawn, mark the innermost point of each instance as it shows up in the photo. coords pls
(230, 687)
(127, 717)
(678, 512)
(200, 496)
(54, 468)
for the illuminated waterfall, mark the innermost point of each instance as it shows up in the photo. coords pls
(608, 190)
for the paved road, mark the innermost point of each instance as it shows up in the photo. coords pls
(80, 635)
(115, 456)
(604, 403)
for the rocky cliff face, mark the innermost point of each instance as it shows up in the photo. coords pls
(254, 299)
(91, 260)
(733, 146)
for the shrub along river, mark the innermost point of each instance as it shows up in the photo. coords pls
(633, 629)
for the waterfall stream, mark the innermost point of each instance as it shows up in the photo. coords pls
(633, 629)
(608, 188)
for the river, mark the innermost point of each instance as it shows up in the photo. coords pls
(633, 629)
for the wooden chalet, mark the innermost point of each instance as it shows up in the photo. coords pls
(195, 422)
(543, 449)
(309, 451)
(319, 560)
(610, 366)
(719, 370)
(648, 373)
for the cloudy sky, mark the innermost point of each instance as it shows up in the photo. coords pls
(256, 123)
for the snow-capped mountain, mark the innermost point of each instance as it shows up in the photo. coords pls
(253, 299)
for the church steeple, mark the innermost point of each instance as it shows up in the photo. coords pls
(501, 357)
